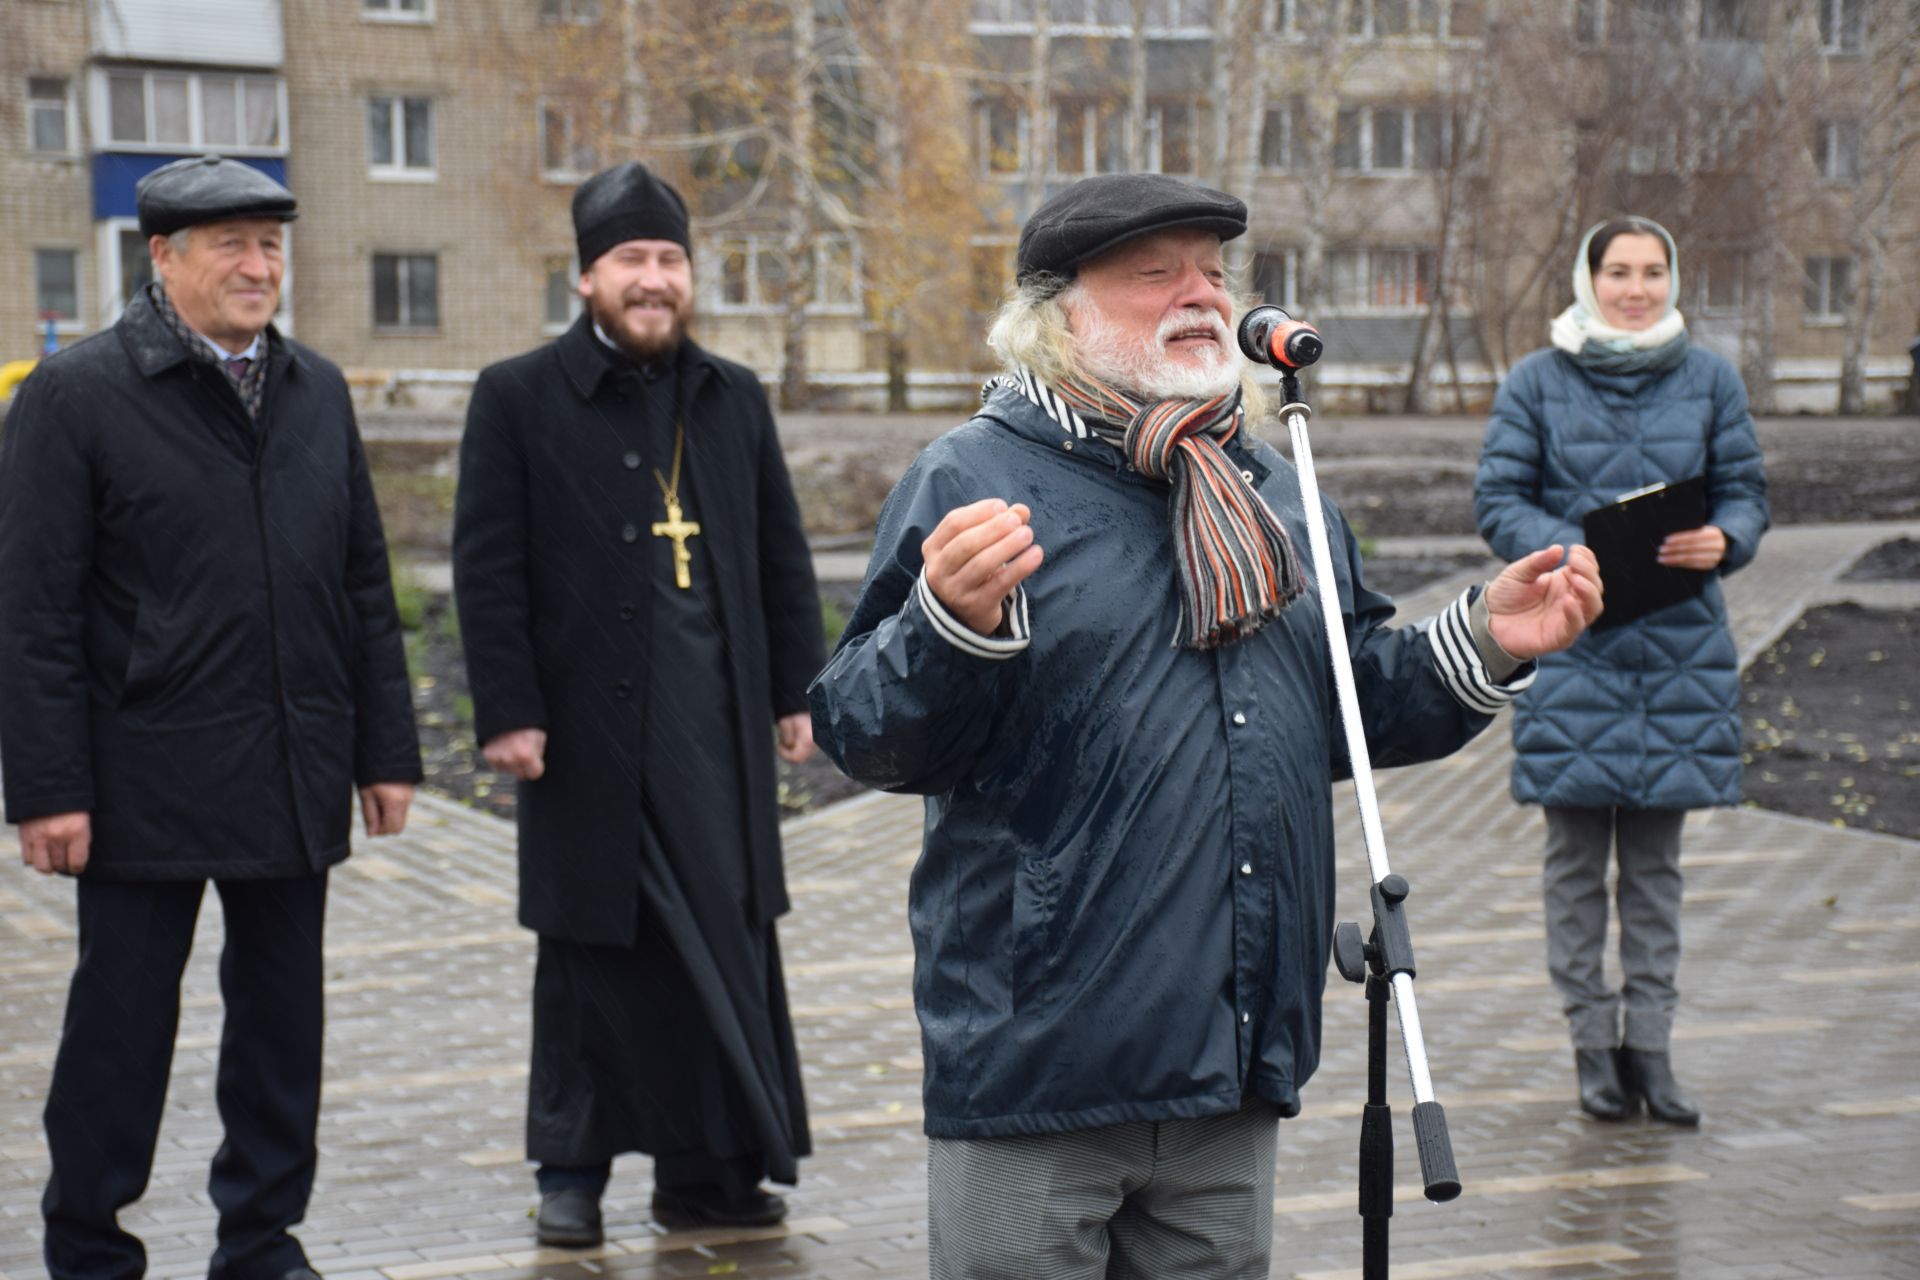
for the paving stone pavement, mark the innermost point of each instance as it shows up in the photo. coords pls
(1799, 1034)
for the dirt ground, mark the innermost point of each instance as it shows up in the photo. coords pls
(1830, 725)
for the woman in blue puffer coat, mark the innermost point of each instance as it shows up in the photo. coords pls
(1634, 725)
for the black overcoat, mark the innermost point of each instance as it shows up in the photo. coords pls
(551, 558)
(198, 639)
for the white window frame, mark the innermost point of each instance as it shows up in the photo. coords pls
(1290, 259)
(543, 107)
(1704, 275)
(404, 328)
(983, 135)
(390, 11)
(1367, 255)
(102, 112)
(1153, 153)
(1090, 136)
(1280, 18)
(70, 109)
(1284, 109)
(1409, 115)
(77, 322)
(1833, 17)
(1829, 135)
(573, 13)
(397, 130)
(575, 303)
(1082, 18)
(758, 301)
(1369, 25)
(1824, 318)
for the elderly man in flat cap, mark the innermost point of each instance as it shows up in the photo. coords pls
(200, 661)
(640, 619)
(1085, 638)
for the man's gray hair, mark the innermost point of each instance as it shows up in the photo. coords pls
(1031, 331)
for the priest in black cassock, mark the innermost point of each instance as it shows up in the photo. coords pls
(640, 619)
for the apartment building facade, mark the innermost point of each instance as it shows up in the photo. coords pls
(1416, 170)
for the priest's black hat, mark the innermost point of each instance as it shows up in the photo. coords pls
(626, 203)
(207, 189)
(1101, 213)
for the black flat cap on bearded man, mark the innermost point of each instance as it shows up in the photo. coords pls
(626, 203)
(201, 189)
(1101, 213)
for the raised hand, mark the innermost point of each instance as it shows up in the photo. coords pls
(975, 558)
(1542, 603)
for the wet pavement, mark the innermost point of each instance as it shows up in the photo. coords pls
(1799, 1034)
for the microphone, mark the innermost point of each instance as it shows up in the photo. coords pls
(1270, 336)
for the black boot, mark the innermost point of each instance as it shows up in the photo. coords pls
(569, 1218)
(1601, 1094)
(1649, 1075)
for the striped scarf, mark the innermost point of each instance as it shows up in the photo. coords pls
(1237, 566)
(252, 389)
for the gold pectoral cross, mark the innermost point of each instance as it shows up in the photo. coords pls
(679, 530)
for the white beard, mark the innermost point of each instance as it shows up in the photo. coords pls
(1142, 365)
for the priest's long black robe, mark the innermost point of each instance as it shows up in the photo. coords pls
(651, 845)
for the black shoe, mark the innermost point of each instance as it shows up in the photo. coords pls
(755, 1209)
(569, 1219)
(301, 1272)
(1649, 1075)
(1601, 1094)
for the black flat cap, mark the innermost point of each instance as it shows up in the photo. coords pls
(1104, 212)
(207, 189)
(626, 203)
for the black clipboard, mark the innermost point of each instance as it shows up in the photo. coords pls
(1625, 537)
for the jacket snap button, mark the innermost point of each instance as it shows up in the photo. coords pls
(1247, 476)
(1067, 445)
(623, 689)
(1239, 717)
(1246, 868)
(631, 461)
(626, 613)
(631, 533)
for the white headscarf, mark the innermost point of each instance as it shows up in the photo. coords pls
(1581, 324)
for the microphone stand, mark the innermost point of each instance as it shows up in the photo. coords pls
(1384, 962)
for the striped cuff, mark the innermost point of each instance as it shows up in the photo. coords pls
(1461, 664)
(961, 636)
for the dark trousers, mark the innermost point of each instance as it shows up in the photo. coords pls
(116, 1051)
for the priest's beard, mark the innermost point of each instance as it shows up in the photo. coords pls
(641, 345)
(1141, 364)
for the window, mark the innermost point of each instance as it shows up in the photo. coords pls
(1374, 19)
(136, 265)
(1280, 145)
(56, 288)
(997, 12)
(1003, 139)
(1843, 25)
(563, 294)
(173, 111)
(1829, 289)
(1589, 21)
(1379, 280)
(400, 137)
(49, 115)
(397, 10)
(1274, 276)
(1732, 20)
(753, 275)
(1089, 137)
(1170, 139)
(567, 150)
(580, 13)
(1281, 17)
(1389, 140)
(406, 291)
(1836, 151)
(1719, 281)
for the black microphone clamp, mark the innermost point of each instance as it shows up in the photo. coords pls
(1270, 336)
